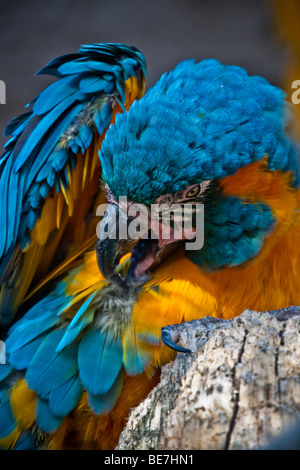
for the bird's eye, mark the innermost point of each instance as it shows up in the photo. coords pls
(194, 191)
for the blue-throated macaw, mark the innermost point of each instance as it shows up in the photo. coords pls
(89, 349)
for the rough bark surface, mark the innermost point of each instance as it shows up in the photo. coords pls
(239, 386)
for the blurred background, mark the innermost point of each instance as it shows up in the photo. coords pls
(255, 34)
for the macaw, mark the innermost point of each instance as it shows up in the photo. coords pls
(90, 346)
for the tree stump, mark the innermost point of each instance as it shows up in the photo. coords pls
(238, 388)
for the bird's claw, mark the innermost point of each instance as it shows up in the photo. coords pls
(166, 336)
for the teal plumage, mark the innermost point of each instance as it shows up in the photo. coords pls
(82, 345)
(7, 419)
(107, 352)
(230, 120)
(47, 142)
(202, 122)
(40, 155)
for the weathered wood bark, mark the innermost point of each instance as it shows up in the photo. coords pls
(238, 387)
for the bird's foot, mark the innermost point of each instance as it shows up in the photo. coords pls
(172, 334)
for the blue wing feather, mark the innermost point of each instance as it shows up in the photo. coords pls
(28, 329)
(82, 319)
(49, 369)
(32, 157)
(44, 126)
(45, 419)
(55, 94)
(25, 442)
(7, 420)
(82, 65)
(21, 358)
(63, 399)
(94, 84)
(100, 358)
(5, 370)
(103, 404)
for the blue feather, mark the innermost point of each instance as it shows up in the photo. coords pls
(51, 176)
(121, 90)
(136, 359)
(47, 148)
(25, 241)
(34, 197)
(63, 399)
(5, 370)
(25, 442)
(86, 135)
(55, 94)
(43, 127)
(129, 66)
(83, 65)
(7, 154)
(21, 358)
(103, 116)
(7, 420)
(45, 419)
(58, 160)
(94, 84)
(31, 219)
(48, 369)
(4, 183)
(44, 189)
(100, 358)
(52, 67)
(73, 146)
(103, 404)
(27, 329)
(18, 124)
(83, 317)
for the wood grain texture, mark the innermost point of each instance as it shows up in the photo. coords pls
(238, 388)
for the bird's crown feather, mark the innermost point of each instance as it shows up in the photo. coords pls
(201, 121)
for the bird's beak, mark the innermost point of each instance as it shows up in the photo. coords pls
(114, 243)
(110, 246)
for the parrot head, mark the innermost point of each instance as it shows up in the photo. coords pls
(206, 135)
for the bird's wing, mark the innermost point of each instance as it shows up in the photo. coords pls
(50, 171)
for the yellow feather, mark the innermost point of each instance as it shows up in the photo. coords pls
(44, 226)
(89, 274)
(92, 282)
(30, 263)
(23, 404)
(59, 209)
(63, 267)
(68, 198)
(86, 165)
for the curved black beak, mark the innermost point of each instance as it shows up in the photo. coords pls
(111, 247)
(114, 242)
